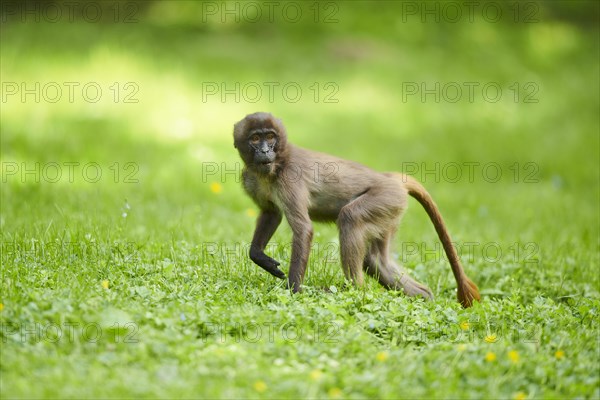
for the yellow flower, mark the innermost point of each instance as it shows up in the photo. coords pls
(251, 212)
(216, 187)
(520, 396)
(559, 353)
(464, 325)
(315, 375)
(1, 306)
(335, 393)
(514, 356)
(104, 284)
(462, 347)
(260, 386)
(491, 338)
(490, 357)
(382, 356)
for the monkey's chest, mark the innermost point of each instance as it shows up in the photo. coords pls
(263, 194)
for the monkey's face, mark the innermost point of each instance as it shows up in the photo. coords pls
(263, 142)
(260, 139)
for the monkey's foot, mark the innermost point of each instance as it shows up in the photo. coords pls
(413, 288)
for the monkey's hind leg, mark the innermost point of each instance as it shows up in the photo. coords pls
(352, 248)
(378, 264)
(355, 223)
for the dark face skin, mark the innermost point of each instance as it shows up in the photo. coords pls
(263, 141)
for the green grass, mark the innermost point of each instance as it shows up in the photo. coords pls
(139, 285)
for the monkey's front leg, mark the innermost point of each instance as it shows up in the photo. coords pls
(266, 225)
(301, 241)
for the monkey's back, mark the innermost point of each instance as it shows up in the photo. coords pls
(333, 182)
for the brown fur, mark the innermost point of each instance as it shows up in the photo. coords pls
(367, 206)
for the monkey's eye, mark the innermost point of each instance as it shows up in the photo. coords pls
(270, 137)
(254, 139)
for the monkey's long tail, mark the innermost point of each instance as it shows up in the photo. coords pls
(467, 290)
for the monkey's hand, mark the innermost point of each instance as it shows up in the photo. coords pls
(267, 263)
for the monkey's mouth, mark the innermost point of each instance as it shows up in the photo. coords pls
(266, 167)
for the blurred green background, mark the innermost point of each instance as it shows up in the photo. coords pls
(146, 94)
